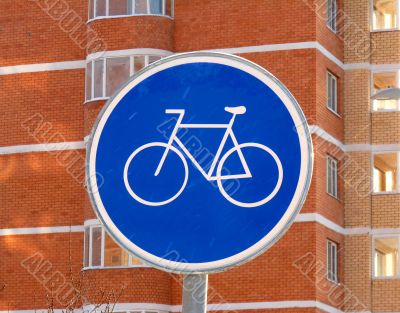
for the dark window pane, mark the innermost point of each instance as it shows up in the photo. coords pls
(91, 9)
(117, 73)
(139, 63)
(89, 81)
(96, 246)
(114, 255)
(101, 8)
(87, 240)
(153, 58)
(119, 7)
(155, 6)
(98, 78)
(140, 6)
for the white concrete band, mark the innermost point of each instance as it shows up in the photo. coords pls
(45, 147)
(237, 306)
(301, 218)
(128, 52)
(314, 129)
(80, 64)
(42, 67)
(40, 230)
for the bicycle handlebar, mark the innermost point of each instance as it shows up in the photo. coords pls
(174, 111)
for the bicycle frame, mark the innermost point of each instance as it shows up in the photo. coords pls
(228, 133)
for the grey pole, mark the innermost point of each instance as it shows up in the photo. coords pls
(194, 293)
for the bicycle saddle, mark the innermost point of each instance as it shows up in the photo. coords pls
(236, 110)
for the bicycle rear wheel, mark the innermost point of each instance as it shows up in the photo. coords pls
(265, 198)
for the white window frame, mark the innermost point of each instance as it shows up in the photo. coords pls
(397, 174)
(330, 159)
(331, 15)
(89, 228)
(374, 276)
(104, 78)
(371, 21)
(397, 71)
(330, 75)
(332, 276)
(107, 15)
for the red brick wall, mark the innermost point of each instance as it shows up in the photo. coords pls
(328, 120)
(325, 204)
(30, 35)
(328, 292)
(42, 189)
(210, 24)
(91, 112)
(134, 32)
(42, 107)
(28, 283)
(329, 39)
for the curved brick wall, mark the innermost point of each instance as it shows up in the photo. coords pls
(132, 32)
(142, 284)
(91, 112)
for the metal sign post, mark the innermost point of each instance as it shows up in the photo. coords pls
(194, 293)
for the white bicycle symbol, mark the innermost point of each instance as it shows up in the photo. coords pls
(169, 147)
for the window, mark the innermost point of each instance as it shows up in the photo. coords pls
(385, 14)
(385, 174)
(384, 80)
(119, 7)
(331, 91)
(331, 177)
(88, 81)
(102, 251)
(98, 79)
(110, 8)
(331, 261)
(118, 70)
(331, 14)
(386, 256)
(104, 76)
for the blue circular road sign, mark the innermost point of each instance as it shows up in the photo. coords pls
(199, 163)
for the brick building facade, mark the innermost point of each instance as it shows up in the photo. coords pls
(60, 60)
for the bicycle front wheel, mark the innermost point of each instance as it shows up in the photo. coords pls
(142, 183)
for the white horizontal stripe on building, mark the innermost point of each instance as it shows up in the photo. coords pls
(371, 148)
(283, 47)
(43, 147)
(41, 230)
(237, 306)
(314, 129)
(301, 218)
(371, 67)
(80, 64)
(318, 218)
(128, 52)
(42, 67)
(320, 132)
(126, 307)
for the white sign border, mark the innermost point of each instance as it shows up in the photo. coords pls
(279, 229)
